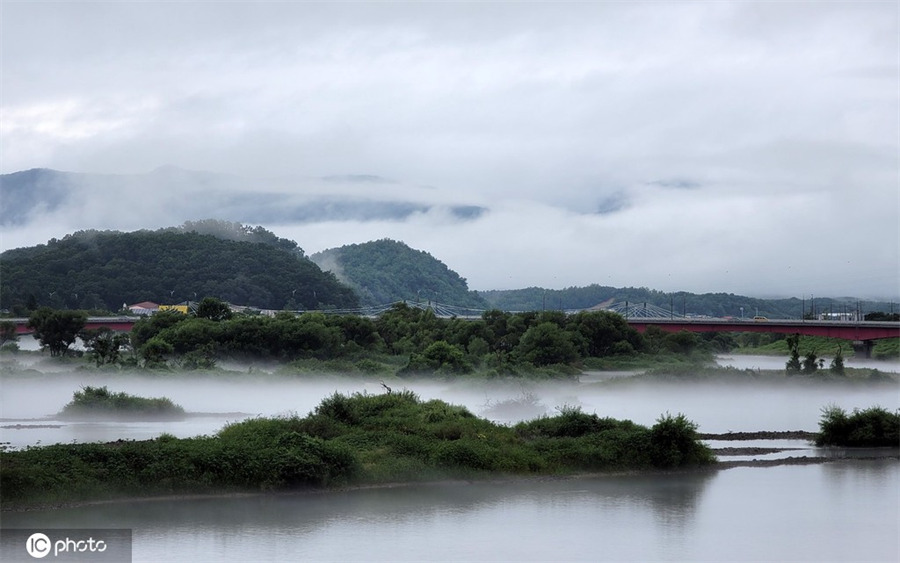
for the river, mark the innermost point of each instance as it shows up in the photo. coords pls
(844, 510)
(840, 511)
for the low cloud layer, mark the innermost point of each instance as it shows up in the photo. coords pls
(736, 147)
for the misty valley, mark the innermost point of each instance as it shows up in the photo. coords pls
(369, 398)
(449, 281)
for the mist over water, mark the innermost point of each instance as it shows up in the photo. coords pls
(30, 401)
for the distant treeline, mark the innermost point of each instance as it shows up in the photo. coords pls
(683, 303)
(250, 266)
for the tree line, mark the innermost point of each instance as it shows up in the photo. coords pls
(500, 342)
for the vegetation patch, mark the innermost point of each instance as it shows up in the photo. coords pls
(96, 402)
(348, 440)
(872, 427)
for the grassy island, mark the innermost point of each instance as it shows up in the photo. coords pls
(347, 440)
(96, 402)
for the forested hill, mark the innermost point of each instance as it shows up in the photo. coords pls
(385, 271)
(106, 269)
(707, 304)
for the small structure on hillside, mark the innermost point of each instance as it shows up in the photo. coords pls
(143, 308)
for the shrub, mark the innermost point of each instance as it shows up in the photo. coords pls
(673, 443)
(338, 407)
(92, 401)
(873, 427)
(570, 422)
(465, 454)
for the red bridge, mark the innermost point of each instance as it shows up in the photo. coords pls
(122, 324)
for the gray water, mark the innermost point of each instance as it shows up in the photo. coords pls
(839, 511)
(777, 362)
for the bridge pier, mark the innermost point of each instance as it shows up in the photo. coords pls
(864, 347)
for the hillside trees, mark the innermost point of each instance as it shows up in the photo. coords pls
(386, 271)
(104, 269)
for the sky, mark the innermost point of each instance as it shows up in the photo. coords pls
(738, 147)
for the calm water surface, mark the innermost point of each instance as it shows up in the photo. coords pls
(840, 511)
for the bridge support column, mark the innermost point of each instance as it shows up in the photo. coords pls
(864, 347)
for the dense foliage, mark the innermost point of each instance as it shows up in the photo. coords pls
(358, 439)
(873, 427)
(498, 342)
(104, 270)
(385, 271)
(93, 402)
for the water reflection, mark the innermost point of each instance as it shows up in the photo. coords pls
(839, 511)
(460, 521)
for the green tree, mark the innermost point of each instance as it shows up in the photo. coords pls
(104, 345)
(213, 309)
(601, 331)
(439, 356)
(56, 330)
(837, 364)
(810, 362)
(546, 344)
(148, 327)
(682, 342)
(155, 351)
(793, 364)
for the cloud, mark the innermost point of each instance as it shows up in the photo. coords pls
(717, 145)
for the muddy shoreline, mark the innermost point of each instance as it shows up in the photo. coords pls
(762, 435)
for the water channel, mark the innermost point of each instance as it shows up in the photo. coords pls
(843, 510)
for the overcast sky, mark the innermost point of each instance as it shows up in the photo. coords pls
(739, 147)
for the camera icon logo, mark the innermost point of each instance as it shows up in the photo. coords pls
(38, 545)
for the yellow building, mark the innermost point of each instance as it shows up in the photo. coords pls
(180, 308)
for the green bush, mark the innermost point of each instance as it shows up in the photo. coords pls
(873, 427)
(99, 401)
(673, 443)
(466, 454)
(570, 422)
